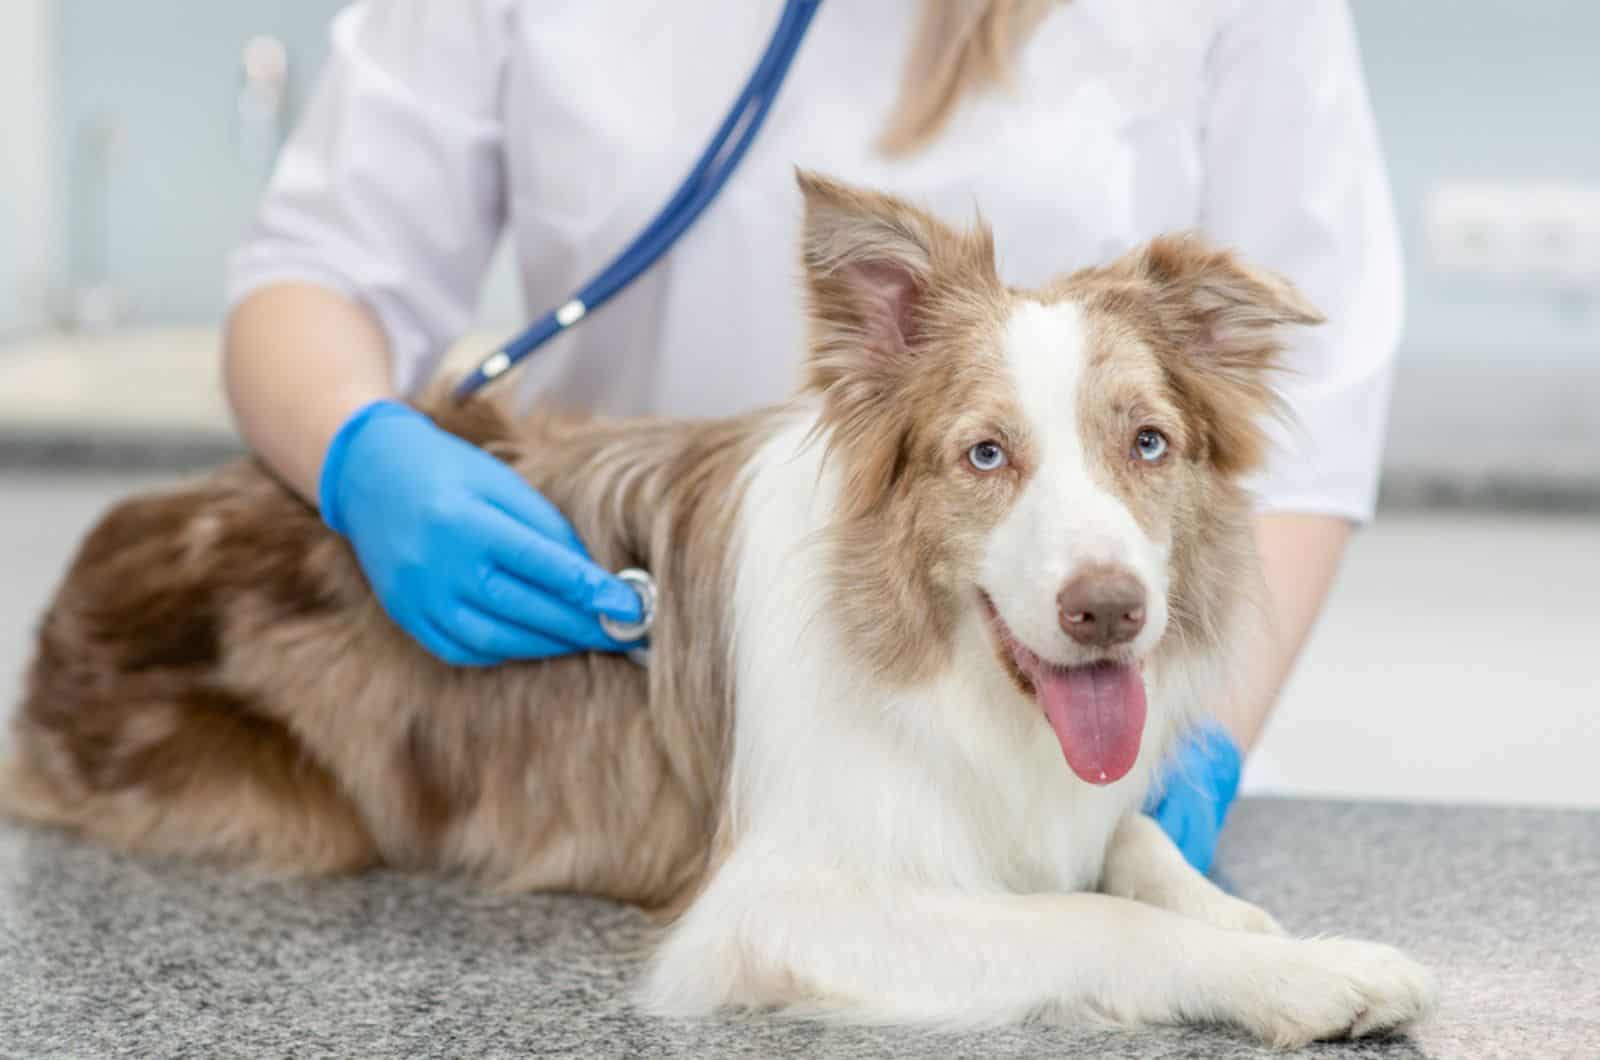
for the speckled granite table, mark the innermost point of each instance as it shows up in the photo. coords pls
(106, 956)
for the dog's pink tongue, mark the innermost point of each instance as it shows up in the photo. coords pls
(1098, 715)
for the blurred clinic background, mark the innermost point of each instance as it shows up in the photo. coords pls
(1460, 657)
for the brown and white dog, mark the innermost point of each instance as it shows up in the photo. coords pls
(996, 528)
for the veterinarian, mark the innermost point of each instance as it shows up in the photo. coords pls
(1079, 128)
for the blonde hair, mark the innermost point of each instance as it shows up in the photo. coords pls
(960, 46)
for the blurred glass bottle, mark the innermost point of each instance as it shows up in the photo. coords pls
(263, 102)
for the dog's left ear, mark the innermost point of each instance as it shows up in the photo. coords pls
(873, 266)
(1225, 322)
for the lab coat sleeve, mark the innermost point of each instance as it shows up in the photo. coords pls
(391, 188)
(1295, 181)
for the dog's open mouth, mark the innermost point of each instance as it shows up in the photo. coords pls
(1097, 710)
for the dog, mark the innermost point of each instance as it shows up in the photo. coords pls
(926, 632)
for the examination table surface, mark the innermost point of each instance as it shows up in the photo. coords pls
(103, 955)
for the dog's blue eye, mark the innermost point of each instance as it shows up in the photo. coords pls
(1151, 445)
(987, 456)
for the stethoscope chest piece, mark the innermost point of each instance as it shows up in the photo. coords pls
(644, 587)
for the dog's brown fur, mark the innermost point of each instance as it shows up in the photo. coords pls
(214, 678)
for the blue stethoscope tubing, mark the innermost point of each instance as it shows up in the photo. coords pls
(716, 164)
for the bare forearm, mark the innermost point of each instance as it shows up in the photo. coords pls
(1300, 555)
(298, 360)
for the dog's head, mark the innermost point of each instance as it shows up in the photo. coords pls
(1057, 469)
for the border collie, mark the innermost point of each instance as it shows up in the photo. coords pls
(926, 632)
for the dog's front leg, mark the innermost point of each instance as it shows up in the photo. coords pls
(902, 954)
(1143, 864)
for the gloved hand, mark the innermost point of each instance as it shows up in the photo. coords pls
(463, 554)
(1196, 789)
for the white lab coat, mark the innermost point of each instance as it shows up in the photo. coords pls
(440, 124)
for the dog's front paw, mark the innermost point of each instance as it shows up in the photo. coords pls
(1235, 914)
(1335, 988)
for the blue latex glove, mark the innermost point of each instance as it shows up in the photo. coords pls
(463, 554)
(1198, 786)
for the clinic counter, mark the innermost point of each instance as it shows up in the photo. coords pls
(138, 400)
(103, 955)
(147, 399)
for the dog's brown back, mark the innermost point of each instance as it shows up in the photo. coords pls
(214, 678)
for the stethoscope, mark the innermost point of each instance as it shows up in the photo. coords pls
(716, 164)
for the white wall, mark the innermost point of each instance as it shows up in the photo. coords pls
(28, 174)
(1499, 375)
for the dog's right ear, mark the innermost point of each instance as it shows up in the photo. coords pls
(871, 263)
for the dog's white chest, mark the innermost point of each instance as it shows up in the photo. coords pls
(1029, 824)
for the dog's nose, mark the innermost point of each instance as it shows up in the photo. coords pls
(1101, 607)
